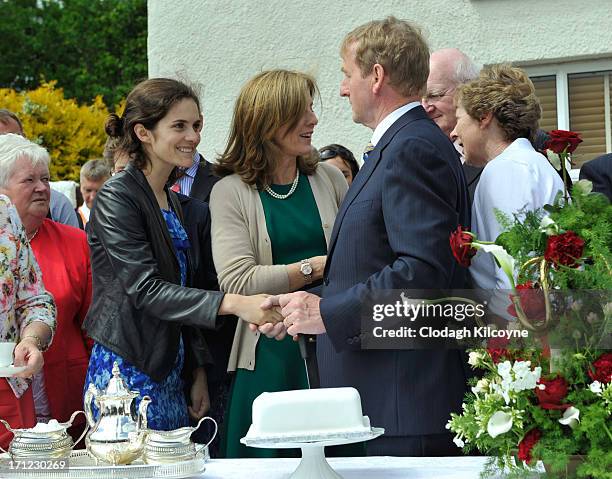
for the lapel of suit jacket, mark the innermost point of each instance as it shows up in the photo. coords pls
(203, 182)
(368, 168)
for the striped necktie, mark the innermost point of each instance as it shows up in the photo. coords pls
(369, 147)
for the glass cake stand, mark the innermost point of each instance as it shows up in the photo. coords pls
(313, 464)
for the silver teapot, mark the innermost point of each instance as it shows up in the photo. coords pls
(50, 441)
(118, 436)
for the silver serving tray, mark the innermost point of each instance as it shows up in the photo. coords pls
(83, 466)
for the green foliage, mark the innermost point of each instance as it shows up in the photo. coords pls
(589, 438)
(587, 215)
(91, 47)
(70, 132)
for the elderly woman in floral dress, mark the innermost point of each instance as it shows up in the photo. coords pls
(27, 316)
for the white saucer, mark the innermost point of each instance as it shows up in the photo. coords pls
(8, 371)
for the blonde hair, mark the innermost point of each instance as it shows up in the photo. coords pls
(267, 102)
(398, 46)
(506, 92)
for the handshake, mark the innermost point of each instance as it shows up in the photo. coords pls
(291, 313)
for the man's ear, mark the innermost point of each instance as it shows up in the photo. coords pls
(378, 77)
(142, 133)
(486, 120)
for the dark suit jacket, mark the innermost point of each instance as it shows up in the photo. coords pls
(392, 232)
(599, 172)
(204, 181)
(219, 341)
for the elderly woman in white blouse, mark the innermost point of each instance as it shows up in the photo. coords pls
(497, 117)
(27, 317)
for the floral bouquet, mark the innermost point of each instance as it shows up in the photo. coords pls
(545, 404)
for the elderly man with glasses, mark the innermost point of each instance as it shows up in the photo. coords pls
(449, 68)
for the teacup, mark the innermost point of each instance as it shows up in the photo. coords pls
(6, 353)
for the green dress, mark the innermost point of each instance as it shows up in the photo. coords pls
(295, 231)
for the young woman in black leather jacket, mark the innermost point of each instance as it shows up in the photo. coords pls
(140, 257)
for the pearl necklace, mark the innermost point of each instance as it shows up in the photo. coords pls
(274, 194)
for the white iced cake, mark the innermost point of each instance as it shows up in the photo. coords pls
(308, 412)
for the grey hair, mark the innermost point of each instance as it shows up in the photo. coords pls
(465, 70)
(12, 148)
(95, 170)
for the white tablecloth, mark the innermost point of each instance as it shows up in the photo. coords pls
(352, 468)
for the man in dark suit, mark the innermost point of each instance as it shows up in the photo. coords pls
(198, 180)
(391, 233)
(599, 172)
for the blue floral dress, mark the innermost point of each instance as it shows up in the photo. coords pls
(168, 408)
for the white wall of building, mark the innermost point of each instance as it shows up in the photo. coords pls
(219, 44)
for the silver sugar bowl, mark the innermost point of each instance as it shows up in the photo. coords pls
(48, 441)
(164, 447)
(117, 437)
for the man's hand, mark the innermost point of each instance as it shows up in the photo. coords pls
(301, 312)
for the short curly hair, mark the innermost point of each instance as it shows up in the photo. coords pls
(506, 92)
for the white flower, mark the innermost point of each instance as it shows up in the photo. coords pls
(571, 417)
(474, 358)
(595, 387)
(505, 261)
(499, 423)
(554, 159)
(607, 309)
(548, 226)
(592, 317)
(576, 305)
(458, 441)
(583, 186)
(481, 386)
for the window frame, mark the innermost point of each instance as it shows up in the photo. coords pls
(561, 71)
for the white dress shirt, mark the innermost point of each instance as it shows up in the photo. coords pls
(519, 179)
(391, 118)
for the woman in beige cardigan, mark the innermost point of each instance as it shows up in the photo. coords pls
(272, 216)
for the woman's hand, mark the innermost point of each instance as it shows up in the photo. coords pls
(249, 309)
(318, 267)
(200, 400)
(27, 354)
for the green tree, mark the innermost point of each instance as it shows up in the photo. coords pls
(91, 47)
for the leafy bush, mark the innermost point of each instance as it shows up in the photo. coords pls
(72, 133)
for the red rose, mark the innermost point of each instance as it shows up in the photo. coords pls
(565, 249)
(531, 300)
(562, 141)
(602, 369)
(498, 349)
(461, 246)
(526, 445)
(554, 392)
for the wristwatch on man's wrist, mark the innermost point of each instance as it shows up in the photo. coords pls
(306, 270)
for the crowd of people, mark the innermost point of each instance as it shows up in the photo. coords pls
(198, 277)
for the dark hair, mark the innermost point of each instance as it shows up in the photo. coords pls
(146, 104)
(330, 151)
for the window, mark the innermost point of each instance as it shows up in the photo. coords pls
(576, 96)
